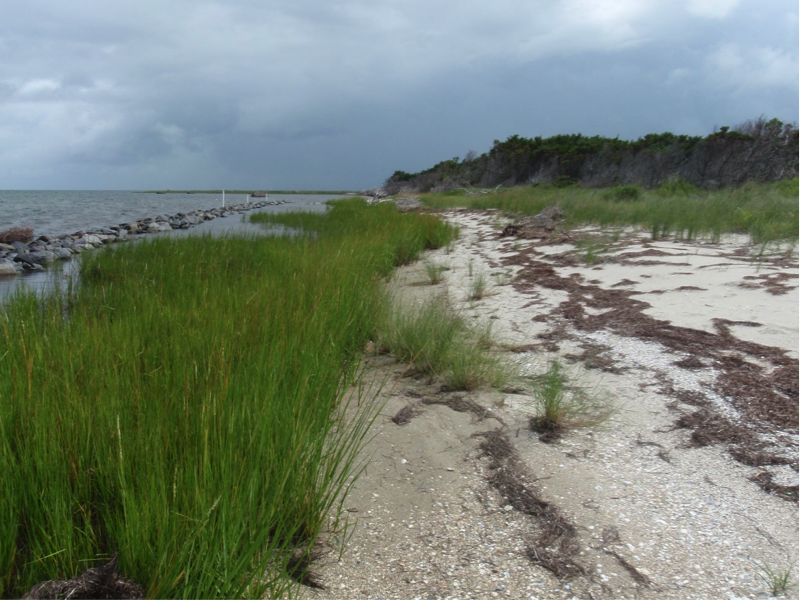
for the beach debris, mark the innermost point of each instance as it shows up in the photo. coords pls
(16, 234)
(99, 582)
(539, 226)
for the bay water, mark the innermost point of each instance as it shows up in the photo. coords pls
(55, 212)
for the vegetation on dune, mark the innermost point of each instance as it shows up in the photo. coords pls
(760, 150)
(183, 405)
(766, 212)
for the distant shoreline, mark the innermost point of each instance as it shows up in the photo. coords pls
(243, 192)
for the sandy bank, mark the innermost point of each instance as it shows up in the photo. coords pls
(687, 492)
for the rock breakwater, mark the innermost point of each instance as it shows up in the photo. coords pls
(19, 257)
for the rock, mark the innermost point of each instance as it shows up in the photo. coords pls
(63, 253)
(89, 240)
(158, 227)
(24, 259)
(42, 257)
(7, 268)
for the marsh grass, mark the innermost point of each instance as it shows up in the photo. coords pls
(186, 405)
(439, 342)
(766, 212)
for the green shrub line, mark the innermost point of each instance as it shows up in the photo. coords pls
(185, 406)
(765, 212)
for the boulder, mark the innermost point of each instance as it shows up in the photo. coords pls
(7, 268)
(42, 257)
(89, 240)
(157, 227)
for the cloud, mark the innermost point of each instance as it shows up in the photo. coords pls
(712, 9)
(305, 92)
(742, 67)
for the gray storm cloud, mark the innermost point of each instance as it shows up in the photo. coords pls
(312, 94)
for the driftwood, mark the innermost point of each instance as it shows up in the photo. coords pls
(100, 582)
(539, 226)
(483, 192)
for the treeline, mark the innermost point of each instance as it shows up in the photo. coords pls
(759, 150)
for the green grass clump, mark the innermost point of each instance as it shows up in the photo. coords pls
(184, 406)
(560, 405)
(777, 581)
(766, 212)
(478, 287)
(434, 271)
(437, 340)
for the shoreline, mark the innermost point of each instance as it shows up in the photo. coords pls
(18, 258)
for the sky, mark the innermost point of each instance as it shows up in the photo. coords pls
(337, 95)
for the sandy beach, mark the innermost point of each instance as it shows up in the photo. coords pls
(688, 490)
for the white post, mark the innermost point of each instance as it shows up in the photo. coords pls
(223, 198)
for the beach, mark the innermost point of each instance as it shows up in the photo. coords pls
(687, 490)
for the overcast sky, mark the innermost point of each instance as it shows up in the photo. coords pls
(333, 94)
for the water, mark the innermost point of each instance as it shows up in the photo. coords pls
(57, 212)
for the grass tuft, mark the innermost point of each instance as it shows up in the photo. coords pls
(777, 581)
(438, 341)
(478, 287)
(560, 406)
(434, 271)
